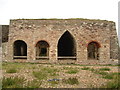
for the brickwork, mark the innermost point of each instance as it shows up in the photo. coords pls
(83, 32)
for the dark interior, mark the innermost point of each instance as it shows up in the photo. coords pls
(20, 48)
(42, 48)
(66, 45)
(93, 50)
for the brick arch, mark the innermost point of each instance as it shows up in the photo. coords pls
(42, 49)
(42, 40)
(19, 49)
(95, 41)
(93, 50)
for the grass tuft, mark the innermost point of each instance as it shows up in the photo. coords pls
(85, 68)
(72, 71)
(40, 75)
(104, 69)
(33, 84)
(71, 81)
(11, 70)
(115, 83)
(13, 82)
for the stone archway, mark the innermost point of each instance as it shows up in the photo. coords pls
(20, 50)
(66, 46)
(42, 50)
(93, 50)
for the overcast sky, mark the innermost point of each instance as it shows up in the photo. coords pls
(36, 9)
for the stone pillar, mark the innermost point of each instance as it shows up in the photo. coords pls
(53, 54)
(10, 51)
(104, 53)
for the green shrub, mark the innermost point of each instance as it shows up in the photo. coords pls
(13, 82)
(85, 68)
(104, 69)
(11, 70)
(71, 81)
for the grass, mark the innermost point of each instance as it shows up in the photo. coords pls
(54, 82)
(67, 68)
(51, 71)
(100, 72)
(11, 70)
(85, 68)
(41, 72)
(104, 69)
(115, 83)
(111, 75)
(40, 75)
(72, 71)
(34, 84)
(71, 81)
(19, 82)
(13, 82)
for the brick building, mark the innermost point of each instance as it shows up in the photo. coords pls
(79, 41)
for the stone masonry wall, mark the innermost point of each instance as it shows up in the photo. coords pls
(4, 39)
(114, 47)
(84, 31)
(5, 32)
(0, 35)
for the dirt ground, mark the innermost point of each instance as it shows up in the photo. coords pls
(86, 78)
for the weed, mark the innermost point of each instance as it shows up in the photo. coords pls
(111, 75)
(115, 83)
(100, 72)
(33, 84)
(54, 82)
(67, 68)
(85, 68)
(50, 70)
(13, 82)
(71, 81)
(72, 71)
(104, 69)
(11, 70)
(40, 75)
(92, 69)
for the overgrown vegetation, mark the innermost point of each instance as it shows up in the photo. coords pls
(85, 68)
(72, 71)
(13, 82)
(11, 70)
(38, 75)
(34, 84)
(104, 69)
(115, 83)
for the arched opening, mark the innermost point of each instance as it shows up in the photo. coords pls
(93, 50)
(42, 50)
(20, 50)
(66, 47)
